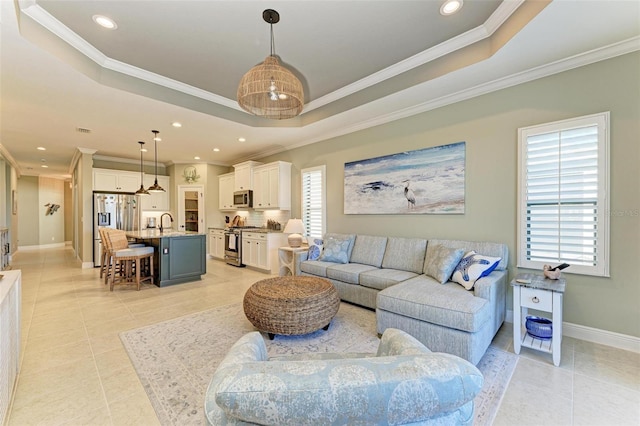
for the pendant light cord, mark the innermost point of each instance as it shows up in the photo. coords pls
(273, 43)
(155, 145)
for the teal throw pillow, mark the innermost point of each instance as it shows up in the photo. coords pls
(336, 249)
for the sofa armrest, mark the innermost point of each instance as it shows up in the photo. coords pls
(397, 342)
(491, 286)
(369, 390)
(298, 258)
(249, 348)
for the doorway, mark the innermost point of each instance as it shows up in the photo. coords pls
(191, 208)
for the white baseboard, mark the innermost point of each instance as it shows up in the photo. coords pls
(87, 265)
(42, 246)
(596, 335)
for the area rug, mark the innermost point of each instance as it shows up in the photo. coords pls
(176, 359)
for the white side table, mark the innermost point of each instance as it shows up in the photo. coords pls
(287, 257)
(541, 294)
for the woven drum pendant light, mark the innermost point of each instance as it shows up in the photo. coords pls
(270, 90)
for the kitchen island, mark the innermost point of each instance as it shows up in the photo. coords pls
(179, 256)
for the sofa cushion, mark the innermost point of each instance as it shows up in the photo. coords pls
(369, 250)
(406, 254)
(315, 267)
(441, 261)
(488, 249)
(425, 299)
(348, 273)
(337, 248)
(382, 278)
(473, 266)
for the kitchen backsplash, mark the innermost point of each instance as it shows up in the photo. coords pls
(251, 217)
(260, 218)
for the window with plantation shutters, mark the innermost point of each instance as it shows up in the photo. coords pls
(314, 201)
(563, 195)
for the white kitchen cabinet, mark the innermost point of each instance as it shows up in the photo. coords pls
(272, 186)
(156, 201)
(225, 191)
(255, 250)
(216, 243)
(115, 180)
(243, 175)
(260, 250)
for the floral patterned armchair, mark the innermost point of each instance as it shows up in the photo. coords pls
(403, 383)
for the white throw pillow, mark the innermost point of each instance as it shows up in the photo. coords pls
(315, 249)
(472, 267)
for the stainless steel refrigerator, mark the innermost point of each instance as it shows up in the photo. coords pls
(118, 211)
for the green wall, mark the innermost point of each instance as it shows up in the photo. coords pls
(28, 198)
(489, 126)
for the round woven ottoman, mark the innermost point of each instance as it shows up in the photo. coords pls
(291, 305)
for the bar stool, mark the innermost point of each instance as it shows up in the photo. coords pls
(106, 256)
(129, 261)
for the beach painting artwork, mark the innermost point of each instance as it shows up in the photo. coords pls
(424, 181)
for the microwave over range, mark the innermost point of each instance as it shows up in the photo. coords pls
(243, 199)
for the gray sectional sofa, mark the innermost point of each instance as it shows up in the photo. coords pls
(388, 274)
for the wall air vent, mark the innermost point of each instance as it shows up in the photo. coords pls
(82, 130)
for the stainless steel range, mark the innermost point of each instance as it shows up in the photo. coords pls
(233, 245)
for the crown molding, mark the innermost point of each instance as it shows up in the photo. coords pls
(497, 18)
(126, 160)
(9, 158)
(501, 14)
(132, 71)
(576, 61)
(77, 155)
(196, 162)
(48, 21)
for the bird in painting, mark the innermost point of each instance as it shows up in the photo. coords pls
(408, 193)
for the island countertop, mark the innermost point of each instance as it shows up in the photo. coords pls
(155, 233)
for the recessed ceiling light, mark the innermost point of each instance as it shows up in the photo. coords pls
(44, 166)
(176, 124)
(105, 22)
(450, 7)
(41, 148)
(196, 158)
(143, 149)
(216, 149)
(241, 139)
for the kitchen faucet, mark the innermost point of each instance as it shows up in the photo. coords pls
(162, 216)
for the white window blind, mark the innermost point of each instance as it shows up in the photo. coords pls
(563, 203)
(314, 201)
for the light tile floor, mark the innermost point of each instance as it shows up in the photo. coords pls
(75, 371)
